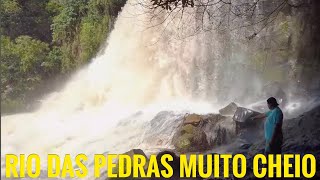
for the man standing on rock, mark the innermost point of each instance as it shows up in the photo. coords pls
(272, 127)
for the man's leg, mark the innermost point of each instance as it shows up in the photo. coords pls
(275, 149)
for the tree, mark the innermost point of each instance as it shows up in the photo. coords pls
(222, 14)
(44, 40)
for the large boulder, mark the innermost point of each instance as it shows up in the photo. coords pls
(175, 164)
(190, 138)
(242, 118)
(130, 153)
(202, 132)
(302, 134)
(192, 119)
(229, 110)
(244, 115)
(161, 129)
(219, 129)
(135, 151)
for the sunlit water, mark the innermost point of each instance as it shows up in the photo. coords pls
(108, 105)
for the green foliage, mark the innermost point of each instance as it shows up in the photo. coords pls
(81, 27)
(31, 53)
(62, 24)
(43, 39)
(67, 61)
(9, 62)
(26, 17)
(53, 63)
(53, 7)
(20, 68)
(10, 6)
(92, 31)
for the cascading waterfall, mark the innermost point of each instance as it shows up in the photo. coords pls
(140, 70)
(107, 106)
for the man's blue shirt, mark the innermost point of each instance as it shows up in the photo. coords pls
(274, 117)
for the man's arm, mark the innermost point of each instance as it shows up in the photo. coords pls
(259, 116)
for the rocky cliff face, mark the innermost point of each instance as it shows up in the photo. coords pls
(309, 47)
(286, 51)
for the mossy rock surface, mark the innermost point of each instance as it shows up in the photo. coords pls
(190, 138)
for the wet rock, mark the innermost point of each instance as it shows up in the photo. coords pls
(160, 118)
(190, 138)
(243, 116)
(162, 128)
(301, 136)
(219, 129)
(192, 119)
(229, 110)
(215, 118)
(130, 120)
(130, 153)
(202, 132)
(135, 151)
(175, 164)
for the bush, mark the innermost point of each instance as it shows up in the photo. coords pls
(41, 40)
(31, 53)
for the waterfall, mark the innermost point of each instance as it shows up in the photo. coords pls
(141, 69)
(108, 105)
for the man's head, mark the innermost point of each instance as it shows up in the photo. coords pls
(272, 103)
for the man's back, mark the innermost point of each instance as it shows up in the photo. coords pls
(274, 118)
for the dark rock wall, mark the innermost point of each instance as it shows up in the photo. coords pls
(309, 47)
